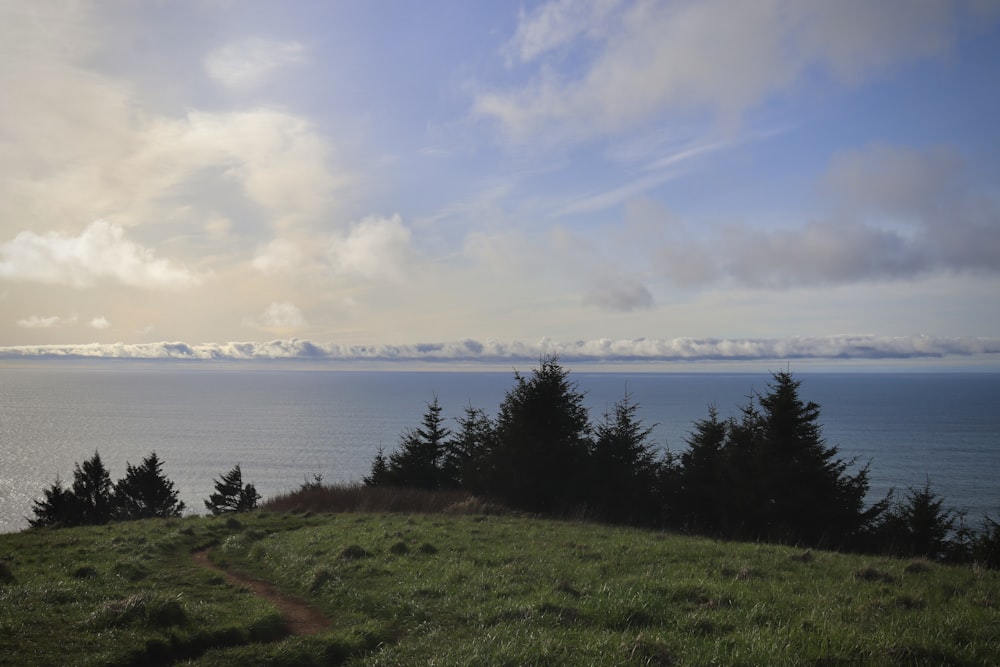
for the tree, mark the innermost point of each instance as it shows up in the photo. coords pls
(417, 463)
(88, 501)
(919, 525)
(93, 500)
(463, 462)
(145, 492)
(231, 495)
(705, 492)
(623, 461)
(768, 473)
(55, 509)
(539, 458)
(379, 475)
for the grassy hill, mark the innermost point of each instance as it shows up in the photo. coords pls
(470, 589)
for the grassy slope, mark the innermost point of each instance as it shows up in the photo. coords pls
(462, 590)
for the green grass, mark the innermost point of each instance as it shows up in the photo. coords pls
(484, 590)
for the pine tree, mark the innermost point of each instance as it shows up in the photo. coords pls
(88, 501)
(624, 467)
(56, 509)
(705, 493)
(93, 501)
(145, 492)
(379, 475)
(231, 495)
(462, 465)
(417, 463)
(539, 458)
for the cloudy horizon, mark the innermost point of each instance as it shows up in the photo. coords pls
(607, 180)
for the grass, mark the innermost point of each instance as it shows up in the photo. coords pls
(484, 589)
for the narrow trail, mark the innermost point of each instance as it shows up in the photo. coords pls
(300, 617)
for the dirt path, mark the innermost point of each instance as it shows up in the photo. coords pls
(299, 616)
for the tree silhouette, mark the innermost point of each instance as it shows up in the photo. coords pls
(539, 459)
(462, 465)
(418, 462)
(145, 492)
(231, 495)
(624, 467)
(88, 501)
(769, 474)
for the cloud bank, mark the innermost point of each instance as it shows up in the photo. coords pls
(599, 350)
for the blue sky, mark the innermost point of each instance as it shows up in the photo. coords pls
(634, 179)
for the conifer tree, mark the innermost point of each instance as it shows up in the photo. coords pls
(145, 492)
(88, 501)
(539, 457)
(55, 509)
(231, 495)
(93, 500)
(624, 467)
(417, 463)
(463, 462)
(379, 475)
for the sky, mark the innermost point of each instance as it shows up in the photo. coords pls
(601, 179)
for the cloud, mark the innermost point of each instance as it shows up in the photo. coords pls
(100, 322)
(555, 24)
(627, 65)
(77, 141)
(897, 213)
(248, 63)
(278, 316)
(36, 322)
(100, 252)
(277, 256)
(619, 294)
(598, 350)
(373, 249)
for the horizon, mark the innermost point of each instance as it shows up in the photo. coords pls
(619, 181)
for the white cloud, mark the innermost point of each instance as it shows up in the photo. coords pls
(277, 256)
(100, 322)
(282, 315)
(373, 249)
(77, 143)
(251, 62)
(100, 252)
(719, 55)
(37, 322)
(597, 350)
(555, 24)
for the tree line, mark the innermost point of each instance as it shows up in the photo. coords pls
(765, 473)
(144, 493)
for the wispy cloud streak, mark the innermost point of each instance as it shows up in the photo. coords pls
(599, 350)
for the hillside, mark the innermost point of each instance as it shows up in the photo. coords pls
(402, 589)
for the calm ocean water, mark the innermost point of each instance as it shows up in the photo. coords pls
(286, 426)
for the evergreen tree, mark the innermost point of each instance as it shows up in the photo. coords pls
(624, 467)
(705, 490)
(417, 463)
(539, 457)
(920, 525)
(808, 494)
(145, 492)
(56, 509)
(379, 475)
(768, 473)
(231, 495)
(88, 501)
(93, 501)
(465, 452)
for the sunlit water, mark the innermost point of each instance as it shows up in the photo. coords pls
(283, 427)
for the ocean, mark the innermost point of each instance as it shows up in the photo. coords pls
(285, 426)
